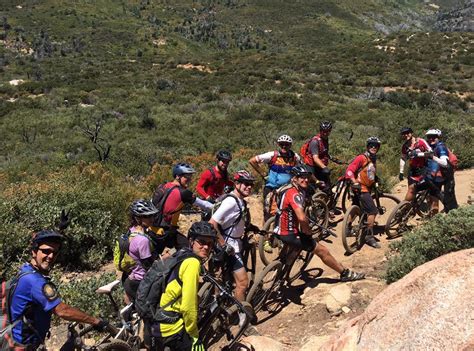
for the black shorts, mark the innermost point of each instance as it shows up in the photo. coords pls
(367, 204)
(236, 262)
(300, 241)
(131, 286)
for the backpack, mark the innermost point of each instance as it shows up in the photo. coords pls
(159, 199)
(153, 285)
(123, 262)
(243, 211)
(274, 197)
(6, 324)
(304, 152)
(453, 159)
(225, 175)
(278, 200)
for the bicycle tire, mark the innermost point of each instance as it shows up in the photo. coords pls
(233, 311)
(318, 215)
(204, 295)
(397, 223)
(275, 243)
(387, 201)
(298, 266)
(422, 207)
(350, 232)
(114, 345)
(346, 200)
(264, 284)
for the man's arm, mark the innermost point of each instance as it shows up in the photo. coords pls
(303, 220)
(220, 238)
(255, 165)
(189, 270)
(70, 313)
(204, 181)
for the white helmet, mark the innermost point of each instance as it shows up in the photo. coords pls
(284, 139)
(436, 132)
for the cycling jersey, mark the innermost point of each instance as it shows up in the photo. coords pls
(420, 145)
(279, 167)
(35, 297)
(140, 249)
(438, 166)
(288, 222)
(175, 202)
(364, 170)
(212, 182)
(186, 290)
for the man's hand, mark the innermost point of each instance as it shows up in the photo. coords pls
(64, 220)
(198, 345)
(400, 177)
(229, 250)
(356, 187)
(102, 325)
(326, 170)
(429, 154)
(252, 228)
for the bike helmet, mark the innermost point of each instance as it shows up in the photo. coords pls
(373, 140)
(243, 176)
(325, 125)
(143, 208)
(204, 229)
(299, 171)
(224, 155)
(284, 139)
(435, 132)
(183, 168)
(46, 236)
(406, 130)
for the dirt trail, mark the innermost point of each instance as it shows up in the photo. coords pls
(305, 318)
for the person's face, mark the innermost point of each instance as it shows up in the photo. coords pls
(325, 133)
(185, 180)
(245, 188)
(406, 136)
(373, 148)
(284, 147)
(146, 221)
(202, 246)
(302, 181)
(223, 164)
(432, 139)
(45, 256)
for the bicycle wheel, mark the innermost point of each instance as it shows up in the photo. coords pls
(298, 266)
(318, 215)
(264, 284)
(351, 229)
(397, 222)
(274, 244)
(423, 207)
(347, 199)
(205, 295)
(114, 345)
(387, 202)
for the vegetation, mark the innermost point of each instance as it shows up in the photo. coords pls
(439, 236)
(99, 98)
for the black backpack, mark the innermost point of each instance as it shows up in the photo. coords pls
(159, 198)
(153, 285)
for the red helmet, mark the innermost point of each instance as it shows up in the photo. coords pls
(243, 176)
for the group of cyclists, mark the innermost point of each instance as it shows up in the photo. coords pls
(154, 226)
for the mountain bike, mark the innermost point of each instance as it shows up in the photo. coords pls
(220, 319)
(124, 330)
(400, 218)
(285, 269)
(354, 224)
(318, 216)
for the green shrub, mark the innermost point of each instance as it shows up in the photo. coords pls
(439, 236)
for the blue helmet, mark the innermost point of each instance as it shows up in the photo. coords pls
(46, 236)
(183, 168)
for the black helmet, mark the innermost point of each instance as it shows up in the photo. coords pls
(224, 155)
(373, 140)
(202, 228)
(183, 168)
(243, 176)
(406, 130)
(301, 170)
(325, 125)
(143, 208)
(46, 236)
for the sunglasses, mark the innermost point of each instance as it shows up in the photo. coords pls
(373, 146)
(284, 144)
(431, 136)
(48, 252)
(208, 243)
(306, 177)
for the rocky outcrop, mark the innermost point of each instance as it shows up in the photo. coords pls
(261, 343)
(429, 309)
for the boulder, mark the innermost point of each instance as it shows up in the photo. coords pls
(431, 308)
(261, 343)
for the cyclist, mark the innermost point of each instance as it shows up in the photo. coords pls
(170, 199)
(315, 154)
(442, 171)
(182, 288)
(213, 180)
(144, 244)
(293, 226)
(280, 162)
(231, 220)
(36, 298)
(362, 174)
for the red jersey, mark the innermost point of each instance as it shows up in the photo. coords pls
(421, 146)
(175, 202)
(212, 183)
(288, 222)
(364, 170)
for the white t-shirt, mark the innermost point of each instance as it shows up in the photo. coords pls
(225, 216)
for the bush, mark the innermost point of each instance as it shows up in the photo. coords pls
(439, 236)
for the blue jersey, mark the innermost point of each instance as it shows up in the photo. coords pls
(34, 298)
(434, 169)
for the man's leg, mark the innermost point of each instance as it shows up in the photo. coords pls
(328, 259)
(241, 283)
(450, 194)
(368, 206)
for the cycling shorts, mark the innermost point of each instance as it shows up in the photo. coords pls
(236, 262)
(300, 241)
(367, 204)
